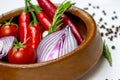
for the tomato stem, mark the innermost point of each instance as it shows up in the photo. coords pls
(9, 22)
(18, 44)
(3, 18)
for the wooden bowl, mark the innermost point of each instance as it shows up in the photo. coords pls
(69, 67)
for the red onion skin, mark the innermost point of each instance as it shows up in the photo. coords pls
(56, 45)
(7, 45)
(1, 47)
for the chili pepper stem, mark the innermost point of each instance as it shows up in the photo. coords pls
(35, 21)
(37, 10)
(26, 6)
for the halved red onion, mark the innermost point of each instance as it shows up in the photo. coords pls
(6, 44)
(1, 46)
(56, 45)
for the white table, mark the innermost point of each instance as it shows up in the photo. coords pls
(102, 71)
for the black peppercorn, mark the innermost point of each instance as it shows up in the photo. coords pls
(113, 47)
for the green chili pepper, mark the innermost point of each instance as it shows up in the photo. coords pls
(107, 53)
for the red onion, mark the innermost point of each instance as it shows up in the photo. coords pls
(56, 45)
(6, 44)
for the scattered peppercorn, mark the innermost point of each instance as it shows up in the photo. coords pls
(111, 31)
(116, 17)
(119, 26)
(86, 8)
(93, 14)
(114, 12)
(112, 18)
(104, 12)
(106, 34)
(98, 7)
(102, 26)
(102, 34)
(89, 4)
(101, 19)
(105, 23)
(93, 7)
(111, 38)
(117, 29)
(115, 36)
(113, 26)
(113, 47)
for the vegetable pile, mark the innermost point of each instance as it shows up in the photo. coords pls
(23, 42)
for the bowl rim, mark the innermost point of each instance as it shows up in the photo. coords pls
(86, 17)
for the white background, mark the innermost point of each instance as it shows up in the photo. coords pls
(102, 70)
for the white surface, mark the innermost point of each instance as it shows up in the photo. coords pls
(102, 70)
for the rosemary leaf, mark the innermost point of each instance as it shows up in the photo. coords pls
(57, 20)
(107, 53)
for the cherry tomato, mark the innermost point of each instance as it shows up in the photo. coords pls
(22, 55)
(9, 30)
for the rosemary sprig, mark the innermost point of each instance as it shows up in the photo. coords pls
(57, 17)
(107, 53)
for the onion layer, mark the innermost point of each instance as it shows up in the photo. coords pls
(6, 44)
(56, 45)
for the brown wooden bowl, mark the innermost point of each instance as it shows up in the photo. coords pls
(69, 67)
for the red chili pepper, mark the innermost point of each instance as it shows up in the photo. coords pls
(50, 9)
(42, 17)
(48, 6)
(45, 21)
(24, 21)
(34, 33)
